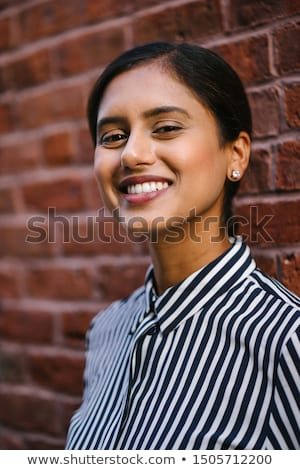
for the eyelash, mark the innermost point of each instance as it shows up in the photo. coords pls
(118, 137)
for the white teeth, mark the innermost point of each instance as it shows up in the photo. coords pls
(148, 187)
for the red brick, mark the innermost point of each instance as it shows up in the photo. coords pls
(42, 442)
(31, 70)
(5, 28)
(288, 166)
(29, 413)
(59, 283)
(13, 366)
(96, 235)
(10, 441)
(6, 118)
(249, 57)
(26, 326)
(92, 50)
(63, 194)
(262, 223)
(267, 263)
(59, 148)
(265, 103)
(291, 272)
(116, 282)
(258, 178)
(57, 372)
(9, 282)
(244, 13)
(287, 57)
(185, 22)
(292, 105)
(85, 147)
(37, 21)
(51, 17)
(75, 326)
(69, 406)
(64, 104)
(20, 156)
(22, 241)
(99, 11)
(7, 198)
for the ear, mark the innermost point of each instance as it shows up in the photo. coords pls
(238, 158)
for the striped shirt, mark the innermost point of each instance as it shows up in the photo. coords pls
(212, 363)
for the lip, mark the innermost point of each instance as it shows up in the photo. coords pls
(142, 198)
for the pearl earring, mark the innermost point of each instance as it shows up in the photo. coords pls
(235, 174)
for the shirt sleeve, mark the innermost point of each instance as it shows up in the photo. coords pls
(285, 416)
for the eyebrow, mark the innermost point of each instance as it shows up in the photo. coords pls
(147, 114)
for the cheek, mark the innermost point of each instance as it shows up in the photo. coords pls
(104, 168)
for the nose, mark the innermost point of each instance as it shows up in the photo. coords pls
(138, 151)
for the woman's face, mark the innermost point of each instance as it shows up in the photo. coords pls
(158, 158)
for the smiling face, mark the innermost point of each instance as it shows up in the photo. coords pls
(158, 153)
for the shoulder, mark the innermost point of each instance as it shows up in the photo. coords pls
(119, 314)
(281, 307)
(275, 289)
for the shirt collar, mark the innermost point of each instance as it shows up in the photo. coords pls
(200, 288)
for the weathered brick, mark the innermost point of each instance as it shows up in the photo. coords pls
(288, 166)
(59, 148)
(75, 326)
(20, 156)
(63, 104)
(30, 70)
(261, 223)
(10, 440)
(184, 22)
(25, 411)
(51, 17)
(26, 241)
(63, 194)
(85, 147)
(27, 326)
(42, 442)
(59, 372)
(96, 235)
(116, 282)
(292, 105)
(287, 57)
(258, 178)
(7, 203)
(249, 57)
(5, 28)
(59, 283)
(290, 265)
(267, 263)
(245, 13)
(6, 118)
(12, 366)
(99, 11)
(37, 21)
(265, 103)
(9, 281)
(91, 50)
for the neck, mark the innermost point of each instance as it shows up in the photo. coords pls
(175, 261)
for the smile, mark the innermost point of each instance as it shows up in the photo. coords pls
(147, 187)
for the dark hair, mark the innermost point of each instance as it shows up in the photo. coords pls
(207, 75)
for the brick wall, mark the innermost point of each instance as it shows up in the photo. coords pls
(51, 284)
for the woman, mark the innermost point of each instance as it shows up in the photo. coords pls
(203, 356)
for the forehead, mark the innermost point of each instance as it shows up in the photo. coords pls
(149, 85)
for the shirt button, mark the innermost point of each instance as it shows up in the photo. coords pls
(153, 330)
